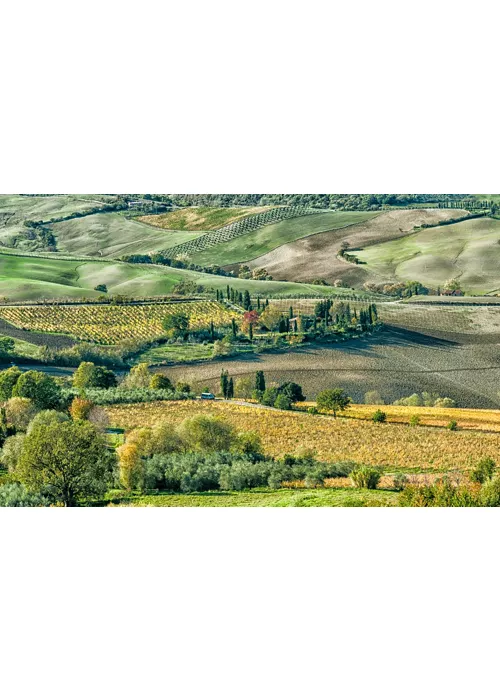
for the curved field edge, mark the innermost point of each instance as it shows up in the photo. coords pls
(251, 245)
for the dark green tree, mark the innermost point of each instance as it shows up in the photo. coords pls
(260, 381)
(334, 400)
(39, 387)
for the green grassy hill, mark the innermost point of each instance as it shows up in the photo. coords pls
(468, 251)
(112, 235)
(24, 277)
(267, 238)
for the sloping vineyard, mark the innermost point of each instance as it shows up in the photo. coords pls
(237, 228)
(111, 324)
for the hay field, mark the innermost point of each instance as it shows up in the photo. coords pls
(320, 251)
(282, 432)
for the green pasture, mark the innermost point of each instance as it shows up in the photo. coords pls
(468, 251)
(263, 240)
(25, 277)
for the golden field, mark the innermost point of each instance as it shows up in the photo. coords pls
(387, 445)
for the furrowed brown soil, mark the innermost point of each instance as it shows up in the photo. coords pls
(315, 257)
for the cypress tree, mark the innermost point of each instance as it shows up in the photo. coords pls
(228, 291)
(224, 382)
(247, 302)
(250, 331)
(290, 312)
(235, 330)
(260, 381)
(212, 332)
(230, 389)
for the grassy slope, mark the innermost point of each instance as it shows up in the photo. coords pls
(15, 209)
(468, 250)
(23, 277)
(267, 238)
(112, 235)
(200, 218)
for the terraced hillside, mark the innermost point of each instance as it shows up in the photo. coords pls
(468, 251)
(320, 251)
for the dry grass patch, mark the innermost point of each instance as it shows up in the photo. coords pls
(200, 218)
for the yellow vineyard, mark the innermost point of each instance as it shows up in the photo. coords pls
(110, 324)
(386, 445)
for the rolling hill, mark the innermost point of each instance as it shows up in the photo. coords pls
(468, 251)
(113, 235)
(315, 257)
(267, 238)
(25, 277)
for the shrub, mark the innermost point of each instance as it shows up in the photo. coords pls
(89, 375)
(80, 408)
(442, 494)
(207, 433)
(373, 398)
(160, 381)
(365, 477)
(283, 402)
(11, 451)
(379, 417)
(489, 495)
(269, 396)
(399, 481)
(19, 412)
(445, 403)
(38, 387)
(8, 380)
(452, 425)
(182, 387)
(483, 471)
(249, 443)
(48, 417)
(313, 411)
(16, 496)
(131, 466)
(414, 421)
